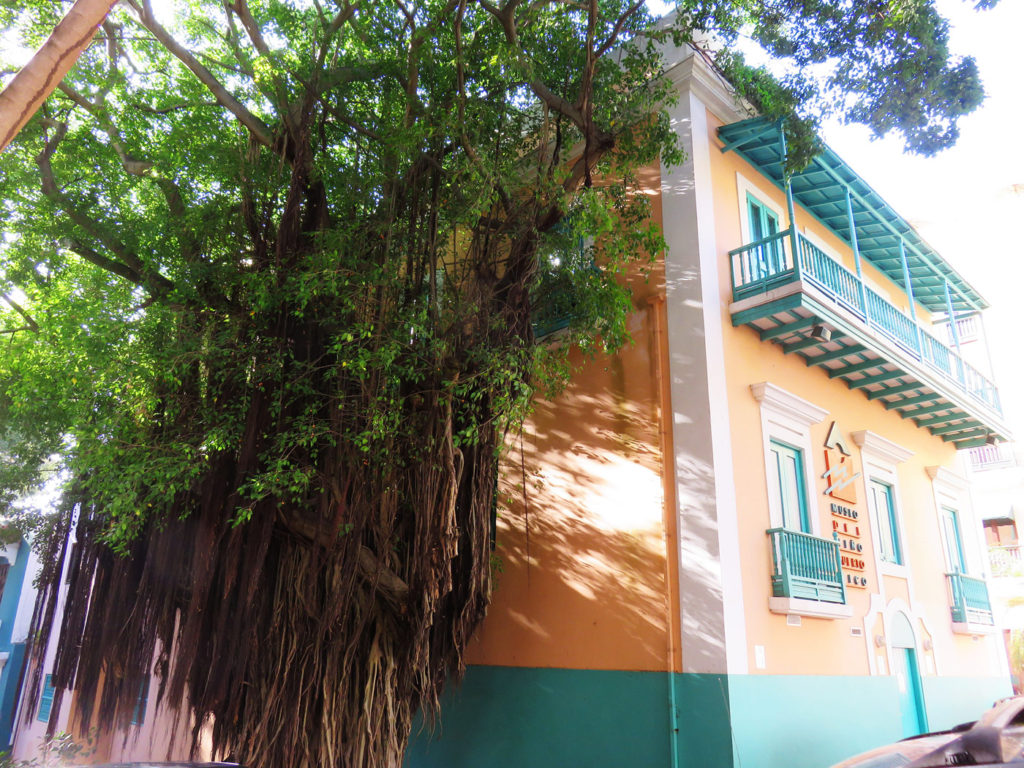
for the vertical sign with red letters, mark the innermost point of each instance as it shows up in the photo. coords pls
(840, 486)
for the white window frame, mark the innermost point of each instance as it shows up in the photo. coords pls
(880, 459)
(951, 490)
(745, 186)
(788, 419)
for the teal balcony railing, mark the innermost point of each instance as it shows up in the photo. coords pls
(762, 266)
(806, 567)
(968, 597)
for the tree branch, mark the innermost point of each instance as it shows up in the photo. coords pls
(260, 130)
(30, 323)
(130, 266)
(617, 29)
(131, 165)
(37, 79)
(506, 17)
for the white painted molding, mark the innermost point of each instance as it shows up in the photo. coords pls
(794, 606)
(787, 404)
(883, 448)
(688, 70)
(947, 477)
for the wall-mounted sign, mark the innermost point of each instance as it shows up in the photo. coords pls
(839, 474)
(840, 479)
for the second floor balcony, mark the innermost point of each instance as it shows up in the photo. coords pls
(795, 295)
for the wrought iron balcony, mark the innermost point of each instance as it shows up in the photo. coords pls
(806, 567)
(968, 597)
(874, 346)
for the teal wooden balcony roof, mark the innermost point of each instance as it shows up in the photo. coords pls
(821, 190)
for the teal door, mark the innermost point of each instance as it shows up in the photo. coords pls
(767, 259)
(908, 683)
(908, 679)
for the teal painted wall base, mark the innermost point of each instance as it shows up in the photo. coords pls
(508, 717)
(811, 721)
(703, 738)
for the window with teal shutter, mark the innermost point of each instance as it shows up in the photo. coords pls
(46, 700)
(954, 545)
(787, 485)
(883, 509)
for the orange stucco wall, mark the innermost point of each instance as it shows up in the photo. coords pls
(584, 573)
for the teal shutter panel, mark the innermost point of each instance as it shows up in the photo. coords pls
(954, 545)
(46, 699)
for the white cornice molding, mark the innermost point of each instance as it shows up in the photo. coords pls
(947, 477)
(692, 73)
(883, 448)
(787, 404)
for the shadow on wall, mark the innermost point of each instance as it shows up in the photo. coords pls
(580, 536)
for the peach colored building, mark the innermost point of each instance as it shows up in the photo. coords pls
(747, 539)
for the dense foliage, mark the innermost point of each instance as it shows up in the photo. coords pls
(269, 278)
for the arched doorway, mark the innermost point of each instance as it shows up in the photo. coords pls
(908, 676)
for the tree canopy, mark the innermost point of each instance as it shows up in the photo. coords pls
(271, 273)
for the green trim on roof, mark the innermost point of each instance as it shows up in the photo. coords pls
(820, 189)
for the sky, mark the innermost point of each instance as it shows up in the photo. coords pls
(968, 201)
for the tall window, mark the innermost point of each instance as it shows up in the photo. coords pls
(787, 484)
(954, 545)
(767, 259)
(883, 511)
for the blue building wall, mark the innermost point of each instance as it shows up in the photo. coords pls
(9, 678)
(506, 717)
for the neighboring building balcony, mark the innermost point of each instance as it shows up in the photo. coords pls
(1004, 559)
(970, 607)
(793, 294)
(807, 575)
(990, 456)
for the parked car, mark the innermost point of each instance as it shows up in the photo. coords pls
(996, 738)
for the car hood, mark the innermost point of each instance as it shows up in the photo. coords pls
(900, 754)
